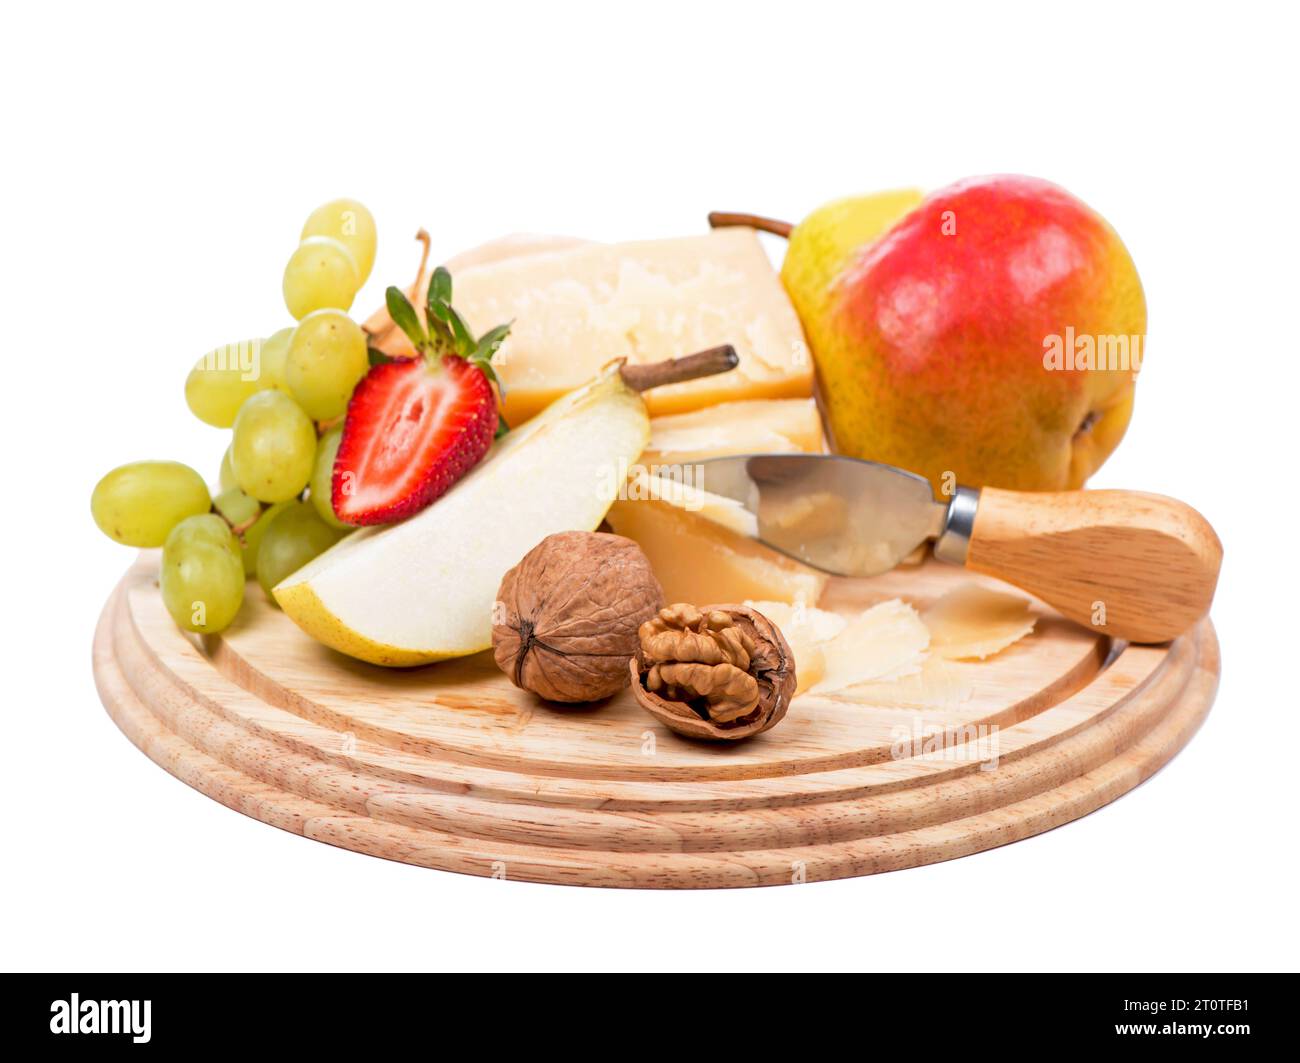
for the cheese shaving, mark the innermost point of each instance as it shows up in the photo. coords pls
(886, 642)
(892, 657)
(975, 622)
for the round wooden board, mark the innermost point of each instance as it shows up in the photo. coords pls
(451, 767)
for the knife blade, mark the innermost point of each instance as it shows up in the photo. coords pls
(839, 514)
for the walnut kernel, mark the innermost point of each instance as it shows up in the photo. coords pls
(722, 672)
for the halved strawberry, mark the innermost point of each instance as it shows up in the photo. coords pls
(415, 426)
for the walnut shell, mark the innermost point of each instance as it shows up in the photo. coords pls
(720, 672)
(566, 619)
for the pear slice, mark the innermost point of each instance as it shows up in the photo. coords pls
(423, 590)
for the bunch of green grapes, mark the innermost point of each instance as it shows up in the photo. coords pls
(282, 397)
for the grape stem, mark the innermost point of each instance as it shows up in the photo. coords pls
(243, 525)
(721, 219)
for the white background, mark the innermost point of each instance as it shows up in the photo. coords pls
(158, 162)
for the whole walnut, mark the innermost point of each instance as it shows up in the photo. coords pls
(566, 619)
(722, 672)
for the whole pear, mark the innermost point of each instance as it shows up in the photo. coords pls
(959, 335)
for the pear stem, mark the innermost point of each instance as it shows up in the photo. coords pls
(676, 370)
(721, 219)
(424, 239)
(379, 326)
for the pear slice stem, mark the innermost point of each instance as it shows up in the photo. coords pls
(379, 326)
(676, 370)
(721, 219)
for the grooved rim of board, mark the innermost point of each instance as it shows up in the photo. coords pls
(494, 788)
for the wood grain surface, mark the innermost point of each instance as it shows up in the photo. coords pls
(450, 767)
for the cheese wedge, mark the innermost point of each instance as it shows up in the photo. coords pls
(576, 309)
(697, 545)
(757, 426)
(681, 494)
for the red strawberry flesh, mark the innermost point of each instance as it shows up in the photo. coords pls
(413, 429)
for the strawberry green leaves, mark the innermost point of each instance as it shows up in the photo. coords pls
(445, 323)
(440, 286)
(443, 330)
(490, 342)
(405, 317)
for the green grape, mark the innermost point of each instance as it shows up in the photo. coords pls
(252, 543)
(327, 356)
(138, 504)
(274, 448)
(239, 509)
(321, 489)
(275, 348)
(236, 506)
(202, 577)
(222, 379)
(226, 477)
(295, 536)
(352, 225)
(320, 274)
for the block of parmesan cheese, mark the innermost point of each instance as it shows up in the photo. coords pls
(577, 308)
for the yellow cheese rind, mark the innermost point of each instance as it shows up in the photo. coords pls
(574, 310)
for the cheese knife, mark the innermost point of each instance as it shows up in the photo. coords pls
(1134, 566)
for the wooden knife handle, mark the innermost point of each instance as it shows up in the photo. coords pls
(1134, 566)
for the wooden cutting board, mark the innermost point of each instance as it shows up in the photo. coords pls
(449, 766)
